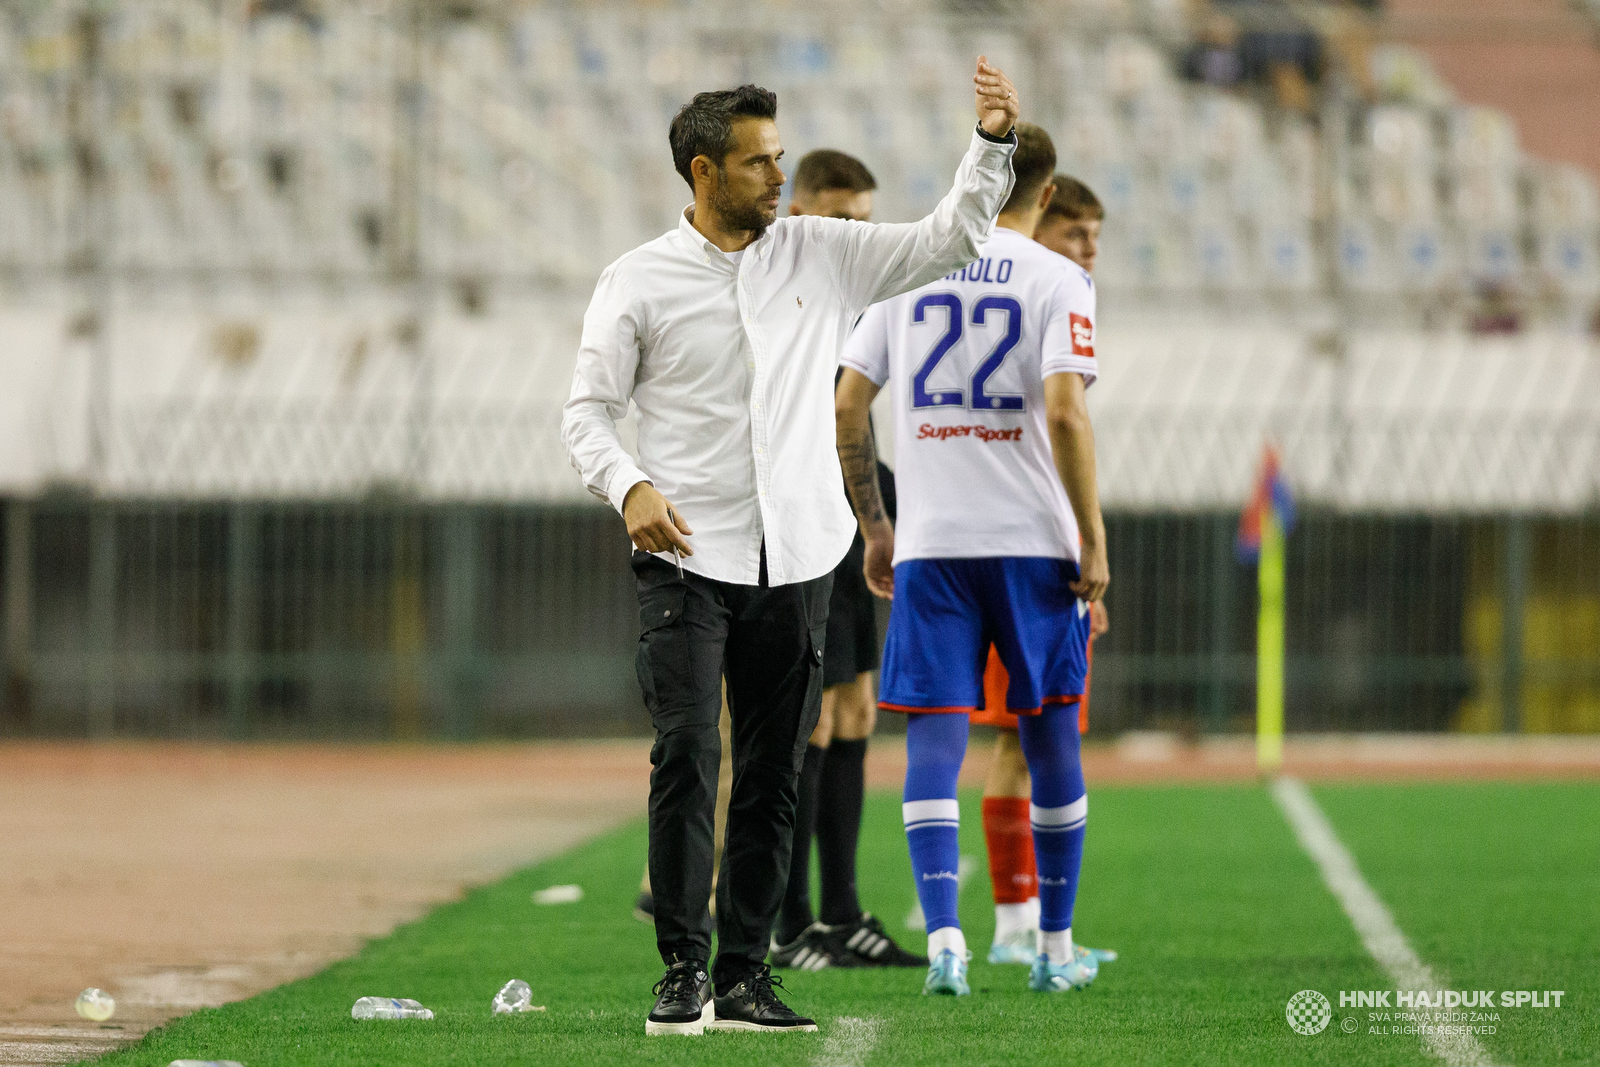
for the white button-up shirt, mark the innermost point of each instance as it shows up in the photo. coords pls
(731, 369)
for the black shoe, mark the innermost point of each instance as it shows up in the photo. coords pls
(818, 947)
(752, 1005)
(868, 944)
(644, 909)
(683, 1000)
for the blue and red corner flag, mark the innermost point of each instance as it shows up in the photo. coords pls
(1271, 495)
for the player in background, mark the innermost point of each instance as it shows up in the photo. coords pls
(833, 774)
(999, 540)
(1071, 222)
(1070, 226)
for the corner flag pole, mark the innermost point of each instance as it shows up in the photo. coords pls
(1269, 647)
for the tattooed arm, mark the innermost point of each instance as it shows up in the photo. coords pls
(858, 455)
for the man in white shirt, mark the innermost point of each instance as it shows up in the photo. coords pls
(999, 540)
(724, 333)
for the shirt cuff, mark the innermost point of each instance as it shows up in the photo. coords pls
(625, 479)
(1010, 138)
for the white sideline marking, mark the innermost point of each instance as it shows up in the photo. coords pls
(1368, 915)
(849, 1044)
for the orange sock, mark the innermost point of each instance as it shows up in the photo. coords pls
(1009, 837)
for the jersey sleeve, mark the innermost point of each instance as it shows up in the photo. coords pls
(867, 348)
(1067, 343)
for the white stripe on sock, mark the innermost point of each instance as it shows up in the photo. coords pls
(947, 812)
(1066, 817)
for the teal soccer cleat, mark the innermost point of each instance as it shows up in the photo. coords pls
(1021, 946)
(947, 974)
(1047, 977)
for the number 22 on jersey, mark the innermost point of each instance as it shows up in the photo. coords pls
(955, 318)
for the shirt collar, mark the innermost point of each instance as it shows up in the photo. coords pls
(711, 253)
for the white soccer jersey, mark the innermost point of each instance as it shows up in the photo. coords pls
(966, 358)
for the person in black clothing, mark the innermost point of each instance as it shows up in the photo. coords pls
(833, 774)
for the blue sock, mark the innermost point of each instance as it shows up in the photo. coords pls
(935, 746)
(1059, 811)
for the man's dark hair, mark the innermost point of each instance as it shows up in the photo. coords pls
(827, 169)
(704, 126)
(1032, 163)
(1074, 200)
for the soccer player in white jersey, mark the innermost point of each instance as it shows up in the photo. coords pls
(1070, 225)
(999, 541)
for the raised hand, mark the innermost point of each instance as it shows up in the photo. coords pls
(997, 102)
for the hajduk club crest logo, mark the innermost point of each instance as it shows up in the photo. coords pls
(1309, 1012)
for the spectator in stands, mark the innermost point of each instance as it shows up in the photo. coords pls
(1258, 42)
(1498, 310)
(1215, 59)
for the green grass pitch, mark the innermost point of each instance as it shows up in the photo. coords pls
(1217, 913)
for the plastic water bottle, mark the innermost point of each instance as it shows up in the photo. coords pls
(514, 996)
(388, 1008)
(95, 1004)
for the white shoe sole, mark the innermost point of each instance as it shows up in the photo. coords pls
(739, 1024)
(694, 1029)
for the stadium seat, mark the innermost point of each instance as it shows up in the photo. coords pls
(269, 146)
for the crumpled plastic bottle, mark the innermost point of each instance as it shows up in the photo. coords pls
(388, 1008)
(95, 1004)
(514, 996)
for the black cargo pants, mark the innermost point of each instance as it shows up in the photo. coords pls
(768, 642)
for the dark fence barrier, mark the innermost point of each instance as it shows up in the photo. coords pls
(399, 620)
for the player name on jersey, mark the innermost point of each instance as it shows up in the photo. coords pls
(984, 270)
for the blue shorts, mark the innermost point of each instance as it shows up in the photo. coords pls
(946, 614)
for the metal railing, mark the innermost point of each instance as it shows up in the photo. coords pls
(368, 619)
(389, 619)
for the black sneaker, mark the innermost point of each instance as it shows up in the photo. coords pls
(752, 1005)
(683, 1000)
(644, 909)
(817, 948)
(868, 944)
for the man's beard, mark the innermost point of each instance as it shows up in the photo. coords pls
(735, 216)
